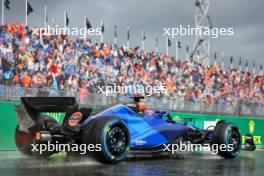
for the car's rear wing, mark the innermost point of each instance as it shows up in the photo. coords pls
(29, 112)
(48, 104)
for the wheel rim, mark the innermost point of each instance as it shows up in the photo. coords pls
(234, 138)
(117, 140)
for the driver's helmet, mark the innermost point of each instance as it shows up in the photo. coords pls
(149, 112)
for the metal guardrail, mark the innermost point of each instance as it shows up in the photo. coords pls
(13, 93)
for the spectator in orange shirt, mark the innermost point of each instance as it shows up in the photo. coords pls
(26, 80)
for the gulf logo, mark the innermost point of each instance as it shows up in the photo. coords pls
(74, 118)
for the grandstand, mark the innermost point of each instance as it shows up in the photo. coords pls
(76, 67)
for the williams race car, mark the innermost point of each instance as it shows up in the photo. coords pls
(118, 128)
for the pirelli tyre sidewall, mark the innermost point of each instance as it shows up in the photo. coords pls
(113, 136)
(228, 133)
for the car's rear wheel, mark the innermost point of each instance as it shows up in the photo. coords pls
(112, 135)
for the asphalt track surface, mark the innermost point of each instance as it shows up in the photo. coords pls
(202, 164)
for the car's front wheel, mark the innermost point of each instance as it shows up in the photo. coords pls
(227, 134)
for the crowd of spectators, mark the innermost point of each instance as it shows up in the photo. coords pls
(80, 65)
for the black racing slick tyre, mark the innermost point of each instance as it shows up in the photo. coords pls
(229, 135)
(112, 135)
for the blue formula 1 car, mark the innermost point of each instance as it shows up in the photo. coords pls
(116, 129)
